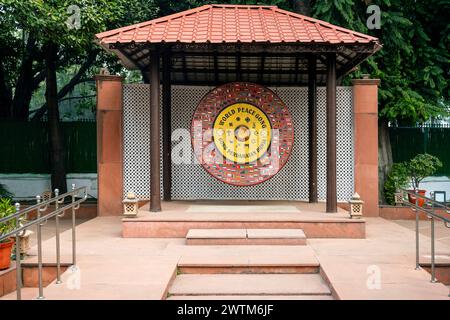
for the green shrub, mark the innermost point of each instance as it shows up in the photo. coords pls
(6, 209)
(422, 166)
(397, 178)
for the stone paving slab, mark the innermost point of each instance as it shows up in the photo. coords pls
(275, 234)
(217, 234)
(250, 284)
(241, 208)
(246, 256)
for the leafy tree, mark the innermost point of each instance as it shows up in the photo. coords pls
(413, 64)
(42, 37)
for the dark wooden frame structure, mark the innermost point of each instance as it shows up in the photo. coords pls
(318, 64)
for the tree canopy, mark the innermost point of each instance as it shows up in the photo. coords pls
(26, 27)
(413, 64)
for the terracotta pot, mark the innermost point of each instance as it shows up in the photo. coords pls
(420, 201)
(5, 254)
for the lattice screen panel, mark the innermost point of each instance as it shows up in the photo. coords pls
(344, 143)
(136, 140)
(191, 181)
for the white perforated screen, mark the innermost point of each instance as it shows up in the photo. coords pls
(191, 181)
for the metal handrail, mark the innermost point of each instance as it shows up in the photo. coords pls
(431, 214)
(59, 212)
(431, 203)
(41, 204)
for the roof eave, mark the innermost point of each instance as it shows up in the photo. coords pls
(124, 60)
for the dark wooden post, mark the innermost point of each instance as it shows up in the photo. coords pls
(312, 124)
(167, 132)
(331, 134)
(155, 193)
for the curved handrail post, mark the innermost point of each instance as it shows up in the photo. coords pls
(74, 248)
(18, 265)
(39, 247)
(58, 248)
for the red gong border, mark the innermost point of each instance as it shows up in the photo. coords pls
(203, 120)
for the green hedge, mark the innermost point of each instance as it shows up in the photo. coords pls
(24, 147)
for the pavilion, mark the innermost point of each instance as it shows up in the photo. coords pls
(217, 44)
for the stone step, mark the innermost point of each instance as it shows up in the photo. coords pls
(249, 297)
(249, 285)
(246, 237)
(247, 259)
(176, 224)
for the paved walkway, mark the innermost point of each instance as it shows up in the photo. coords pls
(441, 232)
(382, 266)
(112, 267)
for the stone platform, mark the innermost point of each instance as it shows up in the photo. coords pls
(178, 217)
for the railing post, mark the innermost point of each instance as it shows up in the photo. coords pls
(417, 232)
(58, 251)
(74, 257)
(39, 245)
(433, 271)
(18, 266)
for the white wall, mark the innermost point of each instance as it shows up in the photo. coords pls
(27, 185)
(436, 184)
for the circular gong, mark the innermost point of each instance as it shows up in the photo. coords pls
(242, 133)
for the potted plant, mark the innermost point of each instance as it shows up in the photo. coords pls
(420, 167)
(6, 209)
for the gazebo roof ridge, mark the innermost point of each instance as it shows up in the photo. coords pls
(326, 24)
(153, 21)
(268, 18)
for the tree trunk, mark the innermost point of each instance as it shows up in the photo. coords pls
(24, 84)
(55, 138)
(384, 156)
(5, 97)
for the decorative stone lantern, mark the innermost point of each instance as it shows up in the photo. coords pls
(25, 241)
(130, 205)
(356, 206)
(398, 198)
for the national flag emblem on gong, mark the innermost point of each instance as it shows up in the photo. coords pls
(242, 133)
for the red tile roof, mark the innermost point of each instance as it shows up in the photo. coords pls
(234, 23)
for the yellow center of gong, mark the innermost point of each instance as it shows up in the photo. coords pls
(242, 132)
